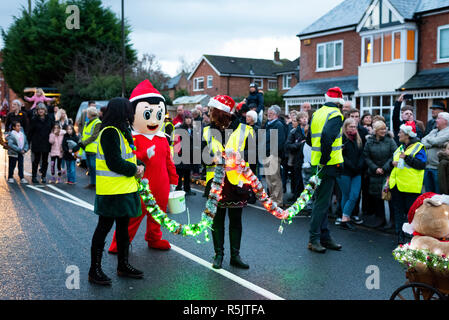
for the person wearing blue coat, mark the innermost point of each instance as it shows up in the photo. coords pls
(18, 146)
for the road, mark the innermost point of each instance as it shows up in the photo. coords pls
(46, 232)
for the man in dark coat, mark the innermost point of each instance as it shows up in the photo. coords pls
(255, 98)
(431, 124)
(272, 164)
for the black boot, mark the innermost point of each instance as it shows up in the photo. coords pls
(218, 239)
(235, 236)
(124, 269)
(96, 274)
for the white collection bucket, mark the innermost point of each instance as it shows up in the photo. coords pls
(176, 202)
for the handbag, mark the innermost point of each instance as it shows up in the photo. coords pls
(386, 193)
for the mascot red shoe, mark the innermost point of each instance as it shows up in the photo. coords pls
(151, 148)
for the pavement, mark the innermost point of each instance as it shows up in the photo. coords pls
(46, 231)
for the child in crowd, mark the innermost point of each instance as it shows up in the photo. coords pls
(55, 140)
(18, 146)
(70, 147)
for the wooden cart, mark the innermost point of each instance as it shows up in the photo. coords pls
(424, 284)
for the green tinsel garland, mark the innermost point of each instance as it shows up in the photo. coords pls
(409, 258)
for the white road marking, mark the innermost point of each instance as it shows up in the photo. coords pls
(68, 195)
(86, 206)
(265, 293)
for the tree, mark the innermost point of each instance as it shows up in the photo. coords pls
(39, 50)
(273, 97)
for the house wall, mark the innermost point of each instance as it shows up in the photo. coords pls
(205, 70)
(427, 46)
(351, 56)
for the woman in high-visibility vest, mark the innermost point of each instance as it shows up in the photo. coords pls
(235, 191)
(406, 178)
(117, 198)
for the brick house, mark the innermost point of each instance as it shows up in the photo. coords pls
(232, 76)
(174, 84)
(373, 50)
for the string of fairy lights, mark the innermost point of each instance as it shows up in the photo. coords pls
(228, 161)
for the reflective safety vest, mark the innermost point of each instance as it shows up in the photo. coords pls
(407, 179)
(319, 120)
(110, 182)
(237, 142)
(87, 133)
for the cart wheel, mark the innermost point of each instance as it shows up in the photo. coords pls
(417, 291)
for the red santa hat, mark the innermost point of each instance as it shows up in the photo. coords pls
(418, 203)
(334, 95)
(222, 102)
(409, 128)
(145, 90)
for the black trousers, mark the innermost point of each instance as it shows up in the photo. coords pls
(38, 156)
(318, 230)
(56, 161)
(183, 173)
(401, 202)
(235, 229)
(105, 225)
(13, 161)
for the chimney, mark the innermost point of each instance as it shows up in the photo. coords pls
(276, 55)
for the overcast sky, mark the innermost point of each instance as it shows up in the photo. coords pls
(172, 29)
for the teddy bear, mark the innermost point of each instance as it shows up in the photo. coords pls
(428, 222)
(152, 148)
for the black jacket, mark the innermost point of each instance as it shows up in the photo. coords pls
(186, 147)
(294, 145)
(257, 99)
(281, 134)
(397, 122)
(65, 146)
(20, 117)
(39, 133)
(353, 156)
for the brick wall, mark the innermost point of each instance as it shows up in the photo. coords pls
(428, 41)
(205, 70)
(351, 56)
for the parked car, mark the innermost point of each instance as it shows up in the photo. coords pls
(83, 106)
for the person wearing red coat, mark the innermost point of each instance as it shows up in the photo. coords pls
(151, 147)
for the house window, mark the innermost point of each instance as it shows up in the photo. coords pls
(386, 47)
(330, 56)
(286, 81)
(198, 84)
(259, 83)
(272, 85)
(443, 44)
(210, 81)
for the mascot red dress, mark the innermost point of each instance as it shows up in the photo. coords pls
(151, 148)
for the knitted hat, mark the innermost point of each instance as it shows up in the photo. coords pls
(334, 95)
(145, 90)
(409, 128)
(222, 102)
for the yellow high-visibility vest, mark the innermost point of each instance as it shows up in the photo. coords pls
(87, 133)
(110, 182)
(319, 120)
(236, 142)
(407, 179)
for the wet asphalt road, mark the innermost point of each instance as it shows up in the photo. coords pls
(43, 239)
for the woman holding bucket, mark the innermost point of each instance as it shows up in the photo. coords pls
(234, 197)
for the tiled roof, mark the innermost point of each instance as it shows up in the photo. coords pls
(429, 5)
(251, 67)
(350, 12)
(428, 79)
(319, 87)
(346, 14)
(172, 82)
